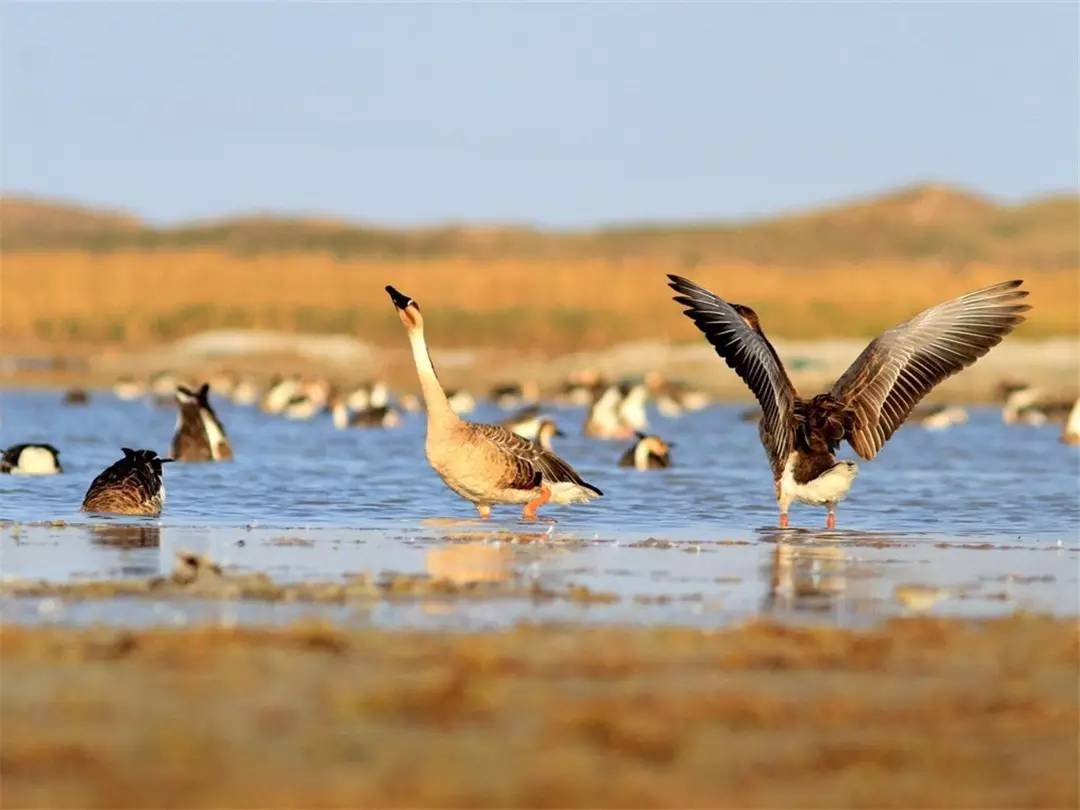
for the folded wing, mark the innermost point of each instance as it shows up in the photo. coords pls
(529, 465)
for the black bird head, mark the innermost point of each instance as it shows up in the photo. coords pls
(407, 309)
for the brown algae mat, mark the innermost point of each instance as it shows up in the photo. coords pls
(912, 713)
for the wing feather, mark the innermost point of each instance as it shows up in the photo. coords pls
(531, 465)
(745, 349)
(901, 366)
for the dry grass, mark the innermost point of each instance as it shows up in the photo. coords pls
(137, 297)
(912, 713)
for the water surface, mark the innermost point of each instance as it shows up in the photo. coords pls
(987, 512)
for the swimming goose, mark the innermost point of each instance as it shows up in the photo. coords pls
(545, 432)
(31, 459)
(1071, 432)
(461, 401)
(942, 416)
(525, 422)
(581, 388)
(666, 394)
(162, 387)
(632, 406)
(281, 392)
(301, 407)
(245, 391)
(647, 453)
(199, 436)
(1027, 405)
(358, 398)
(484, 464)
(869, 401)
(385, 416)
(410, 403)
(514, 395)
(131, 486)
(602, 421)
(127, 389)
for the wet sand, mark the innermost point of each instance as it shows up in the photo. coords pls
(912, 713)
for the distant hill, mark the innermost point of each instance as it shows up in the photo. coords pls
(33, 222)
(921, 222)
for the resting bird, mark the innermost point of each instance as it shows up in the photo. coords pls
(869, 401)
(131, 486)
(31, 459)
(485, 464)
(647, 453)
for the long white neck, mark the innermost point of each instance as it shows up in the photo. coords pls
(641, 455)
(438, 408)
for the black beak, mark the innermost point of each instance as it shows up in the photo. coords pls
(166, 460)
(400, 300)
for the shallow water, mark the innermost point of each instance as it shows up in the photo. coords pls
(987, 511)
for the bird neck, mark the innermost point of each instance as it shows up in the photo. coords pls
(438, 407)
(641, 455)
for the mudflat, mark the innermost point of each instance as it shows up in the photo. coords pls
(914, 712)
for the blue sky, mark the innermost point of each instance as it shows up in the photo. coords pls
(569, 114)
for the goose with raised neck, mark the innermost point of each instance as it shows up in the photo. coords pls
(484, 464)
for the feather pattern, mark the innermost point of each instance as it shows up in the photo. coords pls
(131, 486)
(734, 332)
(901, 366)
(528, 464)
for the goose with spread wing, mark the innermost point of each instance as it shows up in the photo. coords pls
(484, 464)
(870, 400)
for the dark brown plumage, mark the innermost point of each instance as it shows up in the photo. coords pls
(874, 396)
(131, 486)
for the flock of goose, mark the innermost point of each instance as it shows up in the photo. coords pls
(513, 463)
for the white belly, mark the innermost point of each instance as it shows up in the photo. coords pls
(213, 434)
(829, 487)
(35, 461)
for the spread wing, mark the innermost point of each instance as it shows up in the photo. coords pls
(529, 465)
(734, 332)
(899, 368)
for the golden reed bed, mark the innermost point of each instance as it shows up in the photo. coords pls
(134, 297)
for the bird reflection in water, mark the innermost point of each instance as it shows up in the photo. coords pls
(805, 576)
(126, 535)
(130, 536)
(468, 563)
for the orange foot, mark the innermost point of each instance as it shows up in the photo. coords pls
(830, 521)
(529, 512)
(783, 520)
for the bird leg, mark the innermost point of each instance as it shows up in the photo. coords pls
(529, 512)
(484, 510)
(783, 520)
(830, 519)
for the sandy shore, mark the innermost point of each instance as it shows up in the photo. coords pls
(914, 713)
